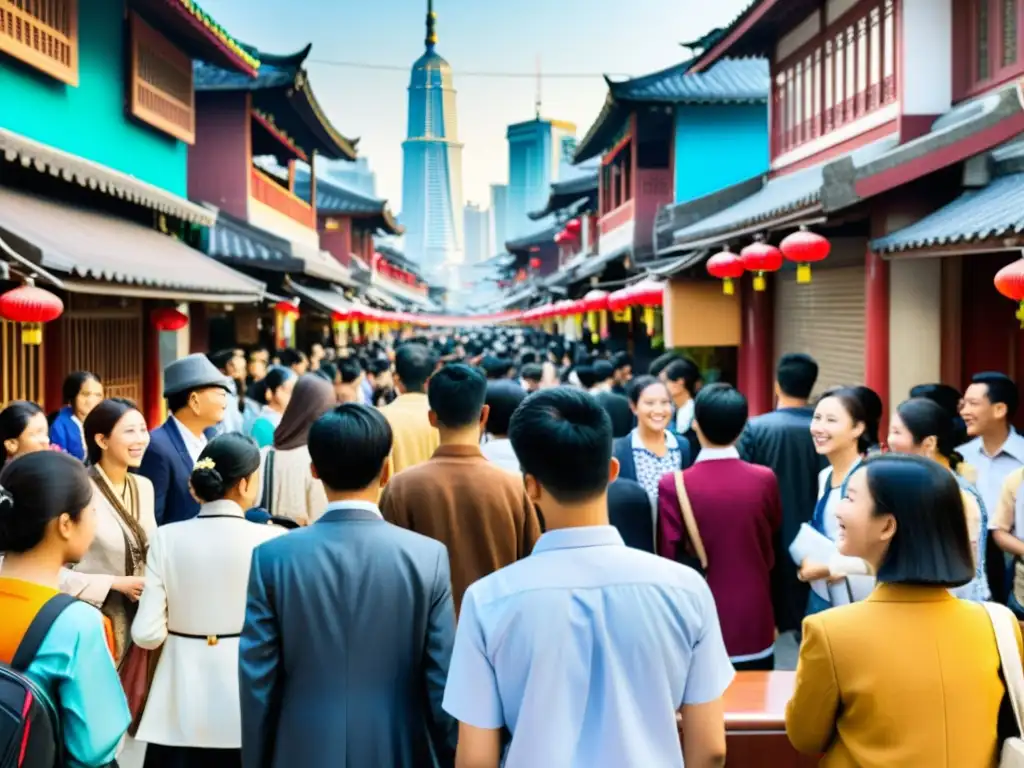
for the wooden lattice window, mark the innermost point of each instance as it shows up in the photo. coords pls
(43, 34)
(160, 80)
(21, 366)
(106, 341)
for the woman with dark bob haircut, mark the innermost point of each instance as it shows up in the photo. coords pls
(910, 676)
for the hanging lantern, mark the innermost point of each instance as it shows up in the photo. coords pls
(535, 263)
(805, 247)
(32, 307)
(168, 319)
(727, 267)
(595, 303)
(573, 227)
(760, 257)
(1010, 282)
(285, 314)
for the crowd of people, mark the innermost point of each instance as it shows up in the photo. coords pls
(500, 548)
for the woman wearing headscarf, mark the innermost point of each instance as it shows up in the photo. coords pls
(288, 487)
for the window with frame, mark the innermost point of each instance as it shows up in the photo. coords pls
(160, 83)
(616, 178)
(42, 34)
(987, 51)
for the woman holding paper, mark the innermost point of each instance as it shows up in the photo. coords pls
(910, 676)
(922, 427)
(841, 429)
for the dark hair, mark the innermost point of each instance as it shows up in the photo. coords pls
(639, 384)
(269, 384)
(852, 401)
(380, 365)
(563, 438)
(496, 367)
(621, 360)
(532, 372)
(349, 446)
(457, 394)
(931, 545)
(949, 399)
(720, 411)
(327, 371)
(796, 375)
(1001, 389)
(617, 408)
(222, 357)
(603, 370)
(685, 370)
(14, 420)
(586, 375)
(414, 363)
(36, 489)
(925, 418)
(349, 369)
(290, 357)
(873, 410)
(661, 363)
(101, 421)
(234, 456)
(73, 385)
(503, 397)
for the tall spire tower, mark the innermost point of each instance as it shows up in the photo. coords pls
(432, 167)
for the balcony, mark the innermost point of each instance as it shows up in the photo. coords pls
(268, 191)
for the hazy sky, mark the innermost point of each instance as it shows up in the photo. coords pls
(570, 36)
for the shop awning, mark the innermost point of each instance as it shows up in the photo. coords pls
(595, 265)
(327, 300)
(94, 252)
(993, 211)
(17, 148)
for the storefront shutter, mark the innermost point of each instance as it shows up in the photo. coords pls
(825, 320)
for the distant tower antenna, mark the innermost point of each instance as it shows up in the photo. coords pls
(537, 103)
(431, 40)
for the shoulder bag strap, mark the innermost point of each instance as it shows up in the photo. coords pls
(1009, 656)
(38, 629)
(689, 521)
(268, 483)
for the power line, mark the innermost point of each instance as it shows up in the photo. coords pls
(460, 73)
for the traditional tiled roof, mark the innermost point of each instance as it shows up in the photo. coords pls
(281, 88)
(730, 81)
(734, 33)
(565, 193)
(334, 199)
(541, 237)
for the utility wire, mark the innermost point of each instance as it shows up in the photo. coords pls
(460, 73)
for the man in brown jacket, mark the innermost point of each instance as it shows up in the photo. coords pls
(475, 508)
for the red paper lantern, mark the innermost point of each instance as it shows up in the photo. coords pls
(760, 257)
(535, 263)
(168, 319)
(1009, 281)
(647, 293)
(287, 308)
(573, 227)
(805, 247)
(32, 306)
(726, 266)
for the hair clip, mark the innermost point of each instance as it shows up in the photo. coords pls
(206, 463)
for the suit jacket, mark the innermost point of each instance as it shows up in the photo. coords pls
(344, 656)
(168, 466)
(908, 677)
(622, 449)
(66, 434)
(197, 573)
(629, 510)
(782, 441)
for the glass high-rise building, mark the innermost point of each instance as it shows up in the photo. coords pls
(537, 153)
(432, 170)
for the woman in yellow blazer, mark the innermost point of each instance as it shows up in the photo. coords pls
(908, 678)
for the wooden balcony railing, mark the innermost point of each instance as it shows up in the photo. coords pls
(42, 34)
(267, 191)
(162, 93)
(847, 72)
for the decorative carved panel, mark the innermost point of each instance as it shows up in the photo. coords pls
(160, 83)
(42, 34)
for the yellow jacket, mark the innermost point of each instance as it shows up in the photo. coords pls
(415, 440)
(909, 678)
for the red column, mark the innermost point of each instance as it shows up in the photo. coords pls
(876, 330)
(755, 353)
(152, 372)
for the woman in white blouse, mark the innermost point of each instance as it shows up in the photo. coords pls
(116, 438)
(197, 577)
(288, 487)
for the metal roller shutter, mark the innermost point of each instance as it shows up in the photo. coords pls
(825, 320)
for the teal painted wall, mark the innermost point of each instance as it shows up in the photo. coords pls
(718, 146)
(91, 120)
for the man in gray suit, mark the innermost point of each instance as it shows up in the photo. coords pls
(349, 624)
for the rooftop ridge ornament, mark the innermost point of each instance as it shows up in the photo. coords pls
(431, 40)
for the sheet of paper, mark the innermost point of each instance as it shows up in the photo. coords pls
(811, 545)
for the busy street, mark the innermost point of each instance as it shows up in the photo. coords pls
(425, 384)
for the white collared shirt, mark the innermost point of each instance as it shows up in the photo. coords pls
(684, 416)
(194, 445)
(220, 508)
(714, 454)
(499, 451)
(993, 470)
(365, 506)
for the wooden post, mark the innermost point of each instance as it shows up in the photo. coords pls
(152, 372)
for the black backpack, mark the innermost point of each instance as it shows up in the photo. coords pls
(30, 735)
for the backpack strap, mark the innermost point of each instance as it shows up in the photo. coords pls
(38, 629)
(268, 483)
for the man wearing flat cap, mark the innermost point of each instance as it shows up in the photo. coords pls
(197, 395)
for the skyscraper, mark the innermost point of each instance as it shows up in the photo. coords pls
(536, 150)
(478, 233)
(432, 170)
(356, 176)
(499, 218)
